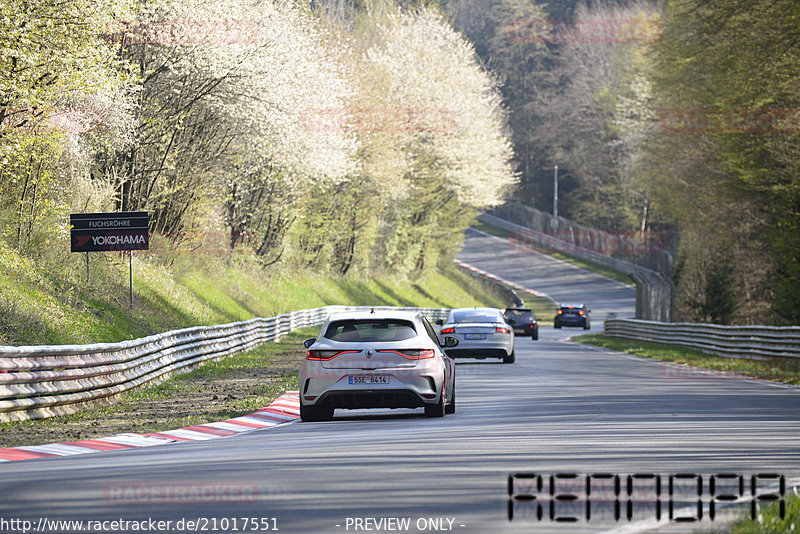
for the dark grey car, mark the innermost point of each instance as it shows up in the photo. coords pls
(573, 315)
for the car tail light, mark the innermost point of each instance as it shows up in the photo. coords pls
(533, 325)
(502, 330)
(325, 355)
(559, 312)
(411, 354)
(448, 330)
(580, 312)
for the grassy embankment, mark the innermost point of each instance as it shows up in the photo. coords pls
(49, 302)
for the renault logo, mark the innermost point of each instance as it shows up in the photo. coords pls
(369, 353)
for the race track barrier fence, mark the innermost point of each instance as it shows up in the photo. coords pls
(755, 342)
(44, 381)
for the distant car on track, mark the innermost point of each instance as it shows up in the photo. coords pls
(572, 315)
(386, 359)
(481, 333)
(523, 321)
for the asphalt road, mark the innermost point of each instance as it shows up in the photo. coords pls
(563, 282)
(561, 408)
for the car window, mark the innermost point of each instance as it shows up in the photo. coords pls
(431, 331)
(370, 330)
(520, 316)
(475, 316)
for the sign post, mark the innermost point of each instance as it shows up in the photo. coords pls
(98, 232)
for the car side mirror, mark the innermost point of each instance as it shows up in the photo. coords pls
(308, 342)
(439, 322)
(450, 341)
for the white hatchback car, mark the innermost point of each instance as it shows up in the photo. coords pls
(481, 333)
(385, 359)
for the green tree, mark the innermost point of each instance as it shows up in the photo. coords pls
(738, 60)
(62, 99)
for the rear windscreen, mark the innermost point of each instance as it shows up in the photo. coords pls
(519, 315)
(351, 330)
(471, 316)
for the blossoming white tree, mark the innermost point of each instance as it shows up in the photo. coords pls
(432, 71)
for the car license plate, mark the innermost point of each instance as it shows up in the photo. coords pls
(474, 336)
(369, 379)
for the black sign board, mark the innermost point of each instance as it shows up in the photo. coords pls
(95, 232)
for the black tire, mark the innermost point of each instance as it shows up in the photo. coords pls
(511, 358)
(450, 407)
(586, 326)
(438, 409)
(315, 413)
(535, 335)
(556, 326)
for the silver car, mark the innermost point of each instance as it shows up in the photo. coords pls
(376, 360)
(481, 333)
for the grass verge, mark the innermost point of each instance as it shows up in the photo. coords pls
(590, 266)
(777, 370)
(543, 308)
(769, 521)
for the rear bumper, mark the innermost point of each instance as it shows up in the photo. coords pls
(409, 388)
(379, 398)
(527, 331)
(477, 353)
(570, 322)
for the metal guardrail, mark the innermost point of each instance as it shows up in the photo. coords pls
(44, 381)
(654, 290)
(731, 341)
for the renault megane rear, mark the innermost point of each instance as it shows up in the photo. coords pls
(376, 360)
